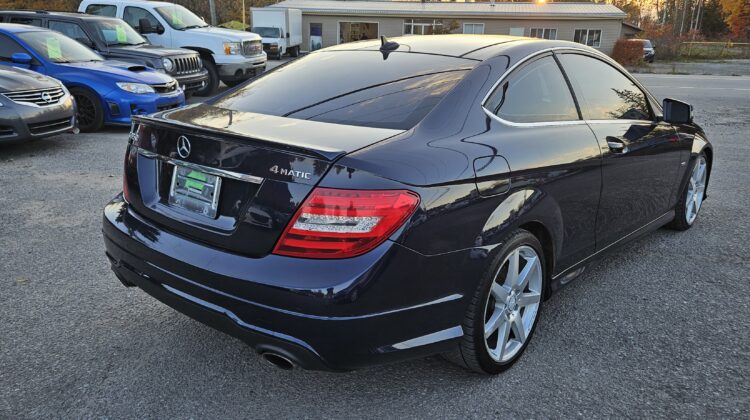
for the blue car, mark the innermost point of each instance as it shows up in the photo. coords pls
(106, 92)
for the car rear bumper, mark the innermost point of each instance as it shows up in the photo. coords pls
(23, 122)
(387, 305)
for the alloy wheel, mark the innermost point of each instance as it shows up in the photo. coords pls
(696, 190)
(513, 303)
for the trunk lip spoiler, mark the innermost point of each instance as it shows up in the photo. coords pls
(323, 152)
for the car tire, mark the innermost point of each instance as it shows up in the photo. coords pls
(515, 318)
(233, 83)
(90, 113)
(691, 199)
(294, 52)
(213, 79)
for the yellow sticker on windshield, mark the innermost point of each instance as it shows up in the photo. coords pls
(53, 49)
(176, 19)
(122, 37)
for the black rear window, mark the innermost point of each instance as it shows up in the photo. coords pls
(353, 87)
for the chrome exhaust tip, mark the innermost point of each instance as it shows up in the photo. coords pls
(278, 360)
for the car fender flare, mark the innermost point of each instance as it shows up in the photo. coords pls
(519, 208)
(204, 52)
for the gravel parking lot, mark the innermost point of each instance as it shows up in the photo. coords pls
(658, 329)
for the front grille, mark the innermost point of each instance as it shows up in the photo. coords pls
(166, 107)
(38, 97)
(6, 131)
(49, 126)
(187, 65)
(165, 88)
(251, 48)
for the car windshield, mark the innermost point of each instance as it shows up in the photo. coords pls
(57, 47)
(266, 32)
(180, 18)
(646, 43)
(117, 32)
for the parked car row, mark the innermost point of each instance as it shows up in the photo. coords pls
(111, 64)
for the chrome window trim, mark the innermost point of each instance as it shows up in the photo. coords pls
(573, 49)
(505, 76)
(532, 124)
(223, 173)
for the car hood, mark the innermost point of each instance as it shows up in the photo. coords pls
(121, 71)
(267, 40)
(14, 79)
(227, 34)
(149, 51)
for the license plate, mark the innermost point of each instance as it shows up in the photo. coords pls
(195, 191)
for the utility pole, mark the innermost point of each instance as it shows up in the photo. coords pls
(212, 8)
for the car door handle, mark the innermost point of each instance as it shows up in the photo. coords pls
(616, 145)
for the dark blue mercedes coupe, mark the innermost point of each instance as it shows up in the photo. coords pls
(390, 199)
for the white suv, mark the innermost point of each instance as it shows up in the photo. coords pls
(228, 55)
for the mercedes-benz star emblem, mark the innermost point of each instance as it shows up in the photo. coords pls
(46, 97)
(183, 147)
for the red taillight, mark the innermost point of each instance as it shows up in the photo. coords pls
(334, 223)
(125, 189)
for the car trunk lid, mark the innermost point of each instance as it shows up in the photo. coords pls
(265, 166)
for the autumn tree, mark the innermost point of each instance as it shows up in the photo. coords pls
(737, 17)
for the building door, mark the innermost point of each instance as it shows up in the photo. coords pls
(316, 36)
(357, 31)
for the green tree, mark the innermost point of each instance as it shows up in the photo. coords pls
(713, 25)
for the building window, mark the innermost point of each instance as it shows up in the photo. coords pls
(590, 37)
(544, 33)
(474, 28)
(357, 31)
(422, 26)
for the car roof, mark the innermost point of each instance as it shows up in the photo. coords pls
(131, 2)
(476, 47)
(45, 13)
(15, 28)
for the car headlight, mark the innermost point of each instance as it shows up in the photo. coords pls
(135, 87)
(231, 48)
(168, 64)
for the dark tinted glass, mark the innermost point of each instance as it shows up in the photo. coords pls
(536, 92)
(603, 92)
(352, 87)
(8, 47)
(133, 16)
(102, 10)
(21, 20)
(72, 30)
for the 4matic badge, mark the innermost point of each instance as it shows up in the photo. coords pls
(290, 172)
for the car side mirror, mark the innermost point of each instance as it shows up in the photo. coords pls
(287, 34)
(145, 27)
(159, 29)
(21, 58)
(677, 112)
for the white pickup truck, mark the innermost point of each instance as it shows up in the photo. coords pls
(229, 56)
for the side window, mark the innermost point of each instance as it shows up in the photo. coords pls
(102, 10)
(25, 21)
(603, 92)
(72, 30)
(536, 92)
(8, 47)
(133, 15)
